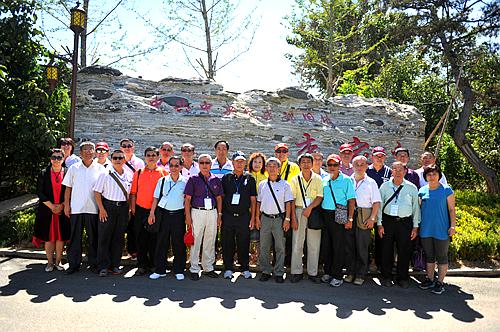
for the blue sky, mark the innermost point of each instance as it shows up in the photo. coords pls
(264, 66)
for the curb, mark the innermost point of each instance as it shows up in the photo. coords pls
(473, 273)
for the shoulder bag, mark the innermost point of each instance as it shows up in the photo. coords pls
(340, 210)
(315, 219)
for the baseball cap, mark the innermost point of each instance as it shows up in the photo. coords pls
(346, 147)
(102, 145)
(280, 145)
(239, 155)
(335, 157)
(378, 149)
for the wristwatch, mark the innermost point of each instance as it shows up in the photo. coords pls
(287, 219)
(351, 219)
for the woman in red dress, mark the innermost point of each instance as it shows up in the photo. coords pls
(51, 225)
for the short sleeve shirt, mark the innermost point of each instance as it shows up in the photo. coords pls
(423, 182)
(346, 170)
(144, 184)
(107, 186)
(382, 175)
(342, 188)
(194, 169)
(221, 170)
(312, 188)
(135, 163)
(292, 172)
(281, 190)
(406, 200)
(197, 188)
(367, 192)
(435, 216)
(82, 179)
(244, 186)
(412, 177)
(173, 193)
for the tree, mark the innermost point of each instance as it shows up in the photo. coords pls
(341, 35)
(454, 28)
(214, 24)
(31, 120)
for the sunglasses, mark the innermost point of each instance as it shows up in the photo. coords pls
(101, 150)
(127, 146)
(281, 151)
(187, 150)
(65, 143)
(165, 149)
(56, 158)
(151, 155)
(204, 163)
(174, 166)
(117, 158)
(333, 165)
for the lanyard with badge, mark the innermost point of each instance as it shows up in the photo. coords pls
(207, 200)
(236, 196)
(307, 200)
(395, 206)
(170, 187)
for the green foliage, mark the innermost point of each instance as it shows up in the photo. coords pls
(31, 120)
(17, 228)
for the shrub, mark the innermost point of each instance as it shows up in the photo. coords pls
(17, 228)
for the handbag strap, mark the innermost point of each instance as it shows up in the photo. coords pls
(392, 197)
(302, 191)
(274, 197)
(331, 190)
(120, 184)
(138, 174)
(161, 188)
(129, 165)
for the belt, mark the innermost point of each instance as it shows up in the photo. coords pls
(202, 208)
(394, 218)
(115, 203)
(235, 214)
(171, 211)
(272, 216)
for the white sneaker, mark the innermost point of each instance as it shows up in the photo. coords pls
(336, 282)
(49, 268)
(326, 278)
(179, 276)
(247, 275)
(228, 274)
(155, 276)
(59, 267)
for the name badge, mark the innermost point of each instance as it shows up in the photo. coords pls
(236, 199)
(208, 203)
(308, 201)
(394, 210)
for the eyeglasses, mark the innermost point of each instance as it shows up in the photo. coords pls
(65, 143)
(117, 158)
(174, 166)
(204, 163)
(127, 146)
(165, 149)
(187, 150)
(151, 155)
(101, 150)
(281, 151)
(333, 165)
(56, 158)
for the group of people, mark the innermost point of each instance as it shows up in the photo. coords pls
(302, 213)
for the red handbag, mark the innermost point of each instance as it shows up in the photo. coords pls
(188, 237)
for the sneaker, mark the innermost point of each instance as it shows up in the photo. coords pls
(326, 278)
(426, 284)
(296, 278)
(179, 276)
(387, 283)
(264, 277)
(59, 267)
(103, 273)
(115, 271)
(133, 256)
(49, 268)
(211, 274)
(438, 288)
(194, 276)
(336, 282)
(247, 275)
(359, 281)
(228, 274)
(349, 278)
(155, 276)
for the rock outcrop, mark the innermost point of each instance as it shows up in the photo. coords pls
(111, 107)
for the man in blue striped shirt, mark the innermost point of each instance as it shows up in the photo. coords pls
(221, 165)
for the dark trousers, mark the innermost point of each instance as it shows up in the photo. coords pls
(131, 236)
(288, 247)
(378, 248)
(74, 251)
(111, 232)
(235, 231)
(172, 229)
(357, 243)
(146, 241)
(398, 231)
(333, 238)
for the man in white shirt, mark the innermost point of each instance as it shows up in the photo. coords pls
(111, 193)
(80, 206)
(102, 154)
(166, 151)
(426, 159)
(358, 238)
(189, 166)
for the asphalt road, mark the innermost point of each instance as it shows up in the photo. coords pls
(31, 299)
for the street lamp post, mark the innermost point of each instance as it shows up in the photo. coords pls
(77, 25)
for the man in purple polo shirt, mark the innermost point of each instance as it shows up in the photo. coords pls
(403, 156)
(346, 154)
(203, 208)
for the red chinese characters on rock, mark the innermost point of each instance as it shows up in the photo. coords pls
(325, 119)
(156, 102)
(267, 115)
(358, 146)
(206, 106)
(307, 145)
(288, 116)
(398, 145)
(248, 110)
(182, 105)
(228, 110)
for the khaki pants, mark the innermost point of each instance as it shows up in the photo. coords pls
(204, 231)
(313, 246)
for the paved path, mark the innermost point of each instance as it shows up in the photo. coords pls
(31, 299)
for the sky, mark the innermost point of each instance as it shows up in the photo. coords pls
(263, 67)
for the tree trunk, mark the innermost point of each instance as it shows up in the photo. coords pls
(210, 72)
(83, 37)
